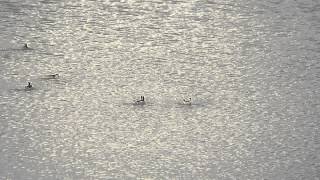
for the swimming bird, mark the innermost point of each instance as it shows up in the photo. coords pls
(25, 46)
(187, 101)
(141, 101)
(29, 86)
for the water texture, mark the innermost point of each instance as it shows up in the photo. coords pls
(250, 67)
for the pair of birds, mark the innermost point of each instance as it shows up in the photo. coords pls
(142, 102)
(53, 76)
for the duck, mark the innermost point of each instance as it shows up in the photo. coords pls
(141, 101)
(187, 101)
(29, 86)
(25, 46)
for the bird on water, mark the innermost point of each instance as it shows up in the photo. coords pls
(141, 101)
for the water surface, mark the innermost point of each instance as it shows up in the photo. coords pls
(251, 68)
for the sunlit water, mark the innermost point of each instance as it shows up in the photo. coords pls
(251, 68)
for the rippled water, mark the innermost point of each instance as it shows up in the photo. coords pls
(251, 68)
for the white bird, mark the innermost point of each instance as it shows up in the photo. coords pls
(187, 101)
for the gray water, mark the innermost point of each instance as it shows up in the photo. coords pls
(251, 68)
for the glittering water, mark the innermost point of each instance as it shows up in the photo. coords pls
(251, 68)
